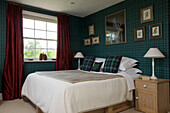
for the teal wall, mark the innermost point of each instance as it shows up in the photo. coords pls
(29, 67)
(132, 49)
(3, 7)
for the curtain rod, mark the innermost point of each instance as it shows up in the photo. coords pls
(14, 3)
(36, 8)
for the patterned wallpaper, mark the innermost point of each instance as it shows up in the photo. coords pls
(3, 7)
(132, 49)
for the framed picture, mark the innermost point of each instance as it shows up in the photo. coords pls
(139, 33)
(146, 14)
(87, 41)
(95, 40)
(91, 30)
(155, 31)
(115, 28)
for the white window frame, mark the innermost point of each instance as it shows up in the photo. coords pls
(41, 17)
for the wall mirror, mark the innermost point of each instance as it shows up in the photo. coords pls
(115, 28)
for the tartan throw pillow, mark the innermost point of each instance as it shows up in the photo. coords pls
(112, 64)
(87, 63)
(97, 66)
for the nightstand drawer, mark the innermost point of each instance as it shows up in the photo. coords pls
(145, 86)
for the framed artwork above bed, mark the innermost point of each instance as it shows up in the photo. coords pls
(87, 42)
(91, 30)
(115, 28)
(95, 40)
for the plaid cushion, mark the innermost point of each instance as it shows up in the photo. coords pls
(97, 66)
(87, 63)
(112, 64)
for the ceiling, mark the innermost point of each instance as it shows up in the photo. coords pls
(80, 8)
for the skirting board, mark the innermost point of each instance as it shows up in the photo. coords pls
(0, 96)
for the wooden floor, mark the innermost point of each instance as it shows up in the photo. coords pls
(20, 106)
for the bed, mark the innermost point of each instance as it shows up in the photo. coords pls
(76, 91)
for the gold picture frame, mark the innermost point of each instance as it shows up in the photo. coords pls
(155, 31)
(146, 14)
(91, 30)
(95, 40)
(115, 28)
(139, 33)
(87, 42)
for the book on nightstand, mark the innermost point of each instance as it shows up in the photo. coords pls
(144, 77)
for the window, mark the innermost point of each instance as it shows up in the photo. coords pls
(40, 36)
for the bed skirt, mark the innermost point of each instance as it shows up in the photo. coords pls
(110, 109)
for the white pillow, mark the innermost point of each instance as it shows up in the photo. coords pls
(132, 71)
(127, 63)
(135, 76)
(100, 60)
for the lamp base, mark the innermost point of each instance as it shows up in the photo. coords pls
(153, 77)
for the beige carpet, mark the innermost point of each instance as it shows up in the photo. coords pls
(16, 106)
(20, 106)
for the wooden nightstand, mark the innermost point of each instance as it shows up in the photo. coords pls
(152, 96)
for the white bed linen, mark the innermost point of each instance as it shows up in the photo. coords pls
(55, 96)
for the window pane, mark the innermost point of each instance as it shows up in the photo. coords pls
(28, 53)
(52, 44)
(51, 26)
(40, 25)
(40, 34)
(41, 44)
(28, 33)
(39, 29)
(29, 44)
(28, 23)
(39, 51)
(52, 53)
(52, 35)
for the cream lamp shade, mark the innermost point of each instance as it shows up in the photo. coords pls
(153, 53)
(79, 55)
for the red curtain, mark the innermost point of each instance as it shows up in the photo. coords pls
(63, 61)
(14, 60)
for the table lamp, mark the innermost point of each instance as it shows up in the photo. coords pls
(153, 53)
(79, 55)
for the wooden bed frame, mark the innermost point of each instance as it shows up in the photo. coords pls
(111, 109)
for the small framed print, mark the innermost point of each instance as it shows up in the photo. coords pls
(155, 31)
(87, 41)
(146, 14)
(91, 30)
(95, 40)
(139, 33)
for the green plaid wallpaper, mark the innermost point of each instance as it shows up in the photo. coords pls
(132, 49)
(75, 37)
(3, 8)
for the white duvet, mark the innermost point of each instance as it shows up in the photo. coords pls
(56, 96)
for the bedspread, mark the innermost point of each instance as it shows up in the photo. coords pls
(57, 96)
(75, 76)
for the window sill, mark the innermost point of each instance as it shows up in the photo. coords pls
(39, 61)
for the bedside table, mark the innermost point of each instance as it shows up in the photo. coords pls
(152, 96)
